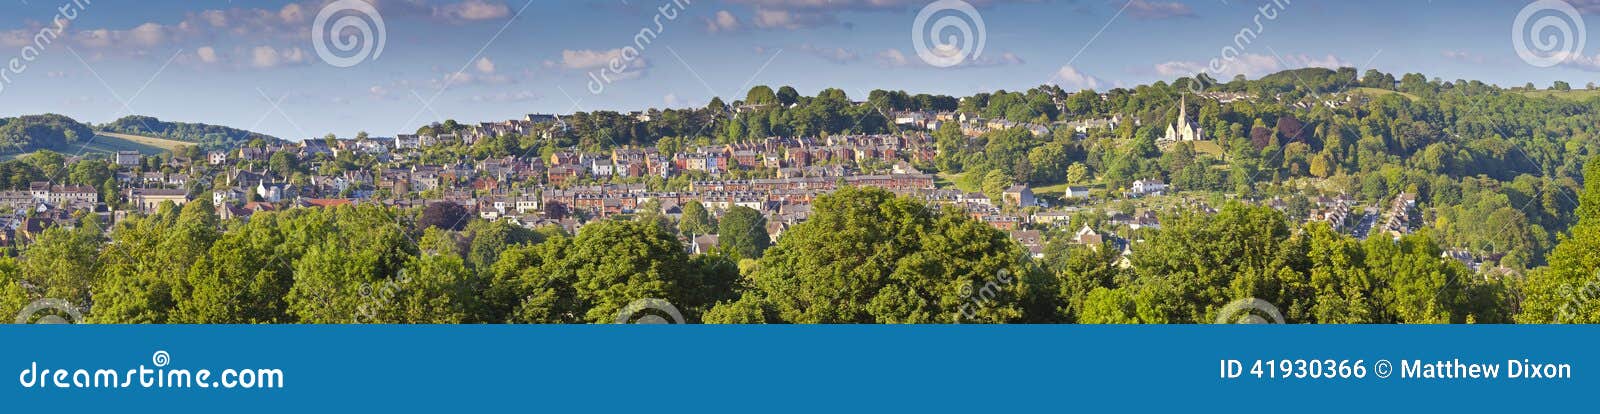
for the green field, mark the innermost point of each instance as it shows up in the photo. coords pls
(110, 143)
(1210, 147)
(947, 180)
(162, 144)
(1055, 189)
(1572, 95)
(1382, 92)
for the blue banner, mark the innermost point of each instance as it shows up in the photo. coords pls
(699, 368)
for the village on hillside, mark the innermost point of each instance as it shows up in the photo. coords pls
(777, 176)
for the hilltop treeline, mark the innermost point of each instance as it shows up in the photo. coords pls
(30, 133)
(211, 137)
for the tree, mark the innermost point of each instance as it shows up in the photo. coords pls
(788, 96)
(696, 220)
(13, 297)
(609, 265)
(1109, 306)
(1049, 162)
(62, 261)
(1561, 86)
(761, 95)
(284, 163)
(743, 231)
(444, 215)
(867, 256)
(1568, 291)
(146, 261)
(995, 184)
(434, 288)
(1077, 173)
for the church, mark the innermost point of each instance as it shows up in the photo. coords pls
(1184, 129)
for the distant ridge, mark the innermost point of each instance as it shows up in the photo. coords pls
(207, 136)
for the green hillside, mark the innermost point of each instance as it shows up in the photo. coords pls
(208, 136)
(32, 133)
(1572, 95)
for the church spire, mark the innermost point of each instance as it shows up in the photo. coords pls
(1183, 110)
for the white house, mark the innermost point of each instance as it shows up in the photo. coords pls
(1147, 187)
(601, 167)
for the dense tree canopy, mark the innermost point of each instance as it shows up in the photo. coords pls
(866, 256)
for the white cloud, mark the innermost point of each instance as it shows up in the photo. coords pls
(1581, 62)
(1249, 64)
(585, 59)
(723, 22)
(898, 58)
(789, 19)
(835, 55)
(207, 54)
(893, 58)
(601, 60)
(1146, 9)
(266, 57)
(1462, 56)
(800, 14)
(506, 97)
(292, 13)
(473, 10)
(1003, 59)
(484, 65)
(284, 27)
(1069, 78)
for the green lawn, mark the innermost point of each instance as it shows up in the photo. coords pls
(947, 180)
(1572, 95)
(160, 143)
(1382, 92)
(1210, 147)
(112, 143)
(1052, 189)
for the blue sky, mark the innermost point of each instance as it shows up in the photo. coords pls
(253, 64)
